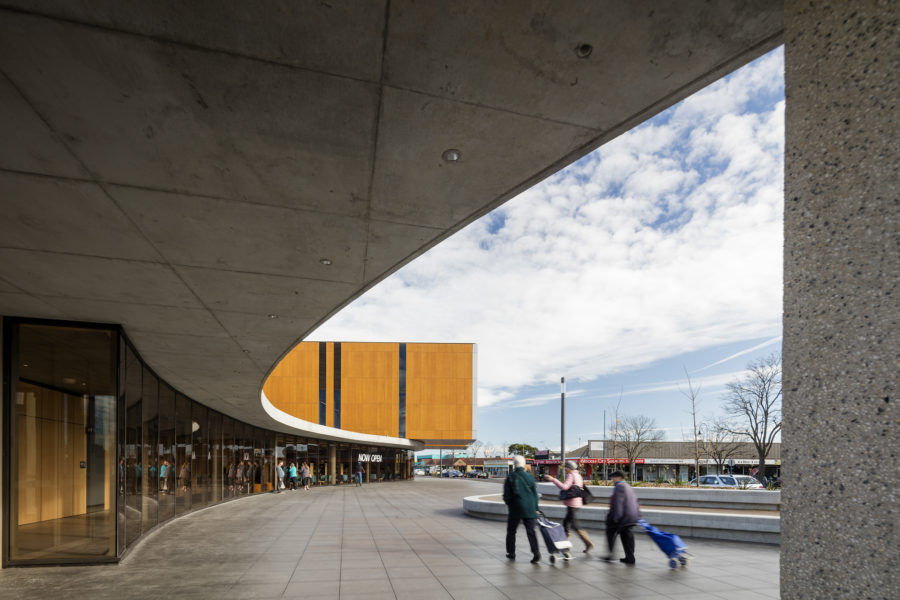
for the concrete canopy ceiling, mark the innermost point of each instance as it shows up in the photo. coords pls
(181, 168)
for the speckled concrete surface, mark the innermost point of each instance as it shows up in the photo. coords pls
(398, 541)
(841, 301)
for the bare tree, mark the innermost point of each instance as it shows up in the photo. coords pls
(721, 443)
(636, 432)
(615, 439)
(754, 402)
(475, 447)
(493, 450)
(691, 395)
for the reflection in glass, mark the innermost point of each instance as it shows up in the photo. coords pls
(120, 452)
(62, 451)
(228, 455)
(199, 455)
(149, 459)
(133, 431)
(101, 450)
(182, 454)
(167, 463)
(215, 453)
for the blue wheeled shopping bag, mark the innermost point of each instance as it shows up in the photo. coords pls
(554, 537)
(671, 545)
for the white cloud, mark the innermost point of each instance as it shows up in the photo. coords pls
(666, 240)
(741, 353)
(705, 384)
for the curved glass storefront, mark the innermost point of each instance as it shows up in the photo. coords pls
(99, 450)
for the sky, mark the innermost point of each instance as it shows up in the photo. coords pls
(656, 257)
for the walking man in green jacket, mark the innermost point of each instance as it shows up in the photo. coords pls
(520, 496)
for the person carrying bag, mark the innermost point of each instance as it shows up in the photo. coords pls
(572, 493)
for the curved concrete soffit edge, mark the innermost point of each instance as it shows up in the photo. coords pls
(332, 433)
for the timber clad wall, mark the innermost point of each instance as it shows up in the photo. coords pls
(439, 388)
(55, 460)
(439, 391)
(294, 384)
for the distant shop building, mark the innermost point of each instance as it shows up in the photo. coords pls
(670, 461)
(492, 467)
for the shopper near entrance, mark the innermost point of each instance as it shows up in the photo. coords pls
(623, 514)
(279, 471)
(359, 473)
(304, 475)
(521, 498)
(572, 487)
(292, 473)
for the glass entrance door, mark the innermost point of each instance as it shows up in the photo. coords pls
(62, 408)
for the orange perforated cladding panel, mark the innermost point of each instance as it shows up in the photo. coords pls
(439, 382)
(293, 386)
(439, 391)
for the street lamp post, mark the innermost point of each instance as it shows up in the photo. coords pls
(562, 426)
(705, 446)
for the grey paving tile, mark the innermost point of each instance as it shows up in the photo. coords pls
(312, 589)
(416, 584)
(350, 573)
(369, 596)
(360, 586)
(475, 594)
(534, 592)
(434, 594)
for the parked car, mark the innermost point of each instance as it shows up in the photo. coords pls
(744, 482)
(419, 472)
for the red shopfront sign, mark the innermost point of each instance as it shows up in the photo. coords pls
(592, 461)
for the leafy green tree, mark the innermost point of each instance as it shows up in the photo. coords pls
(523, 449)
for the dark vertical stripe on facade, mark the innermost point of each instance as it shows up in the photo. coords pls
(337, 385)
(323, 374)
(402, 390)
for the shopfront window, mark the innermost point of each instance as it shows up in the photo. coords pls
(183, 452)
(101, 450)
(199, 455)
(228, 456)
(167, 468)
(149, 451)
(215, 457)
(133, 433)
(62, 453)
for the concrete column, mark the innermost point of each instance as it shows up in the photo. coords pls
(841, 301)
(332, 463)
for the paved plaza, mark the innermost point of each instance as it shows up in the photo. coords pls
(402, 540)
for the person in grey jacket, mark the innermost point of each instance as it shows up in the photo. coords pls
(279, 471)
(520, 496)
(623, 514)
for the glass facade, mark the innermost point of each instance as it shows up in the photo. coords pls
(100, 450)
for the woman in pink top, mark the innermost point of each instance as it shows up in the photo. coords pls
(573, 479)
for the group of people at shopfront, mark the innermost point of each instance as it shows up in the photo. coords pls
(292, 477)
(521, 497)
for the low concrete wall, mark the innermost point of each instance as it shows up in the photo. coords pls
(746, 527)
(688, 497)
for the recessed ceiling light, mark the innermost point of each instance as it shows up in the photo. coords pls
(273, 316)
(451, 155)
(325, 261)
(246, 352)
(25, 364)
(583, 50)
(69, 380)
